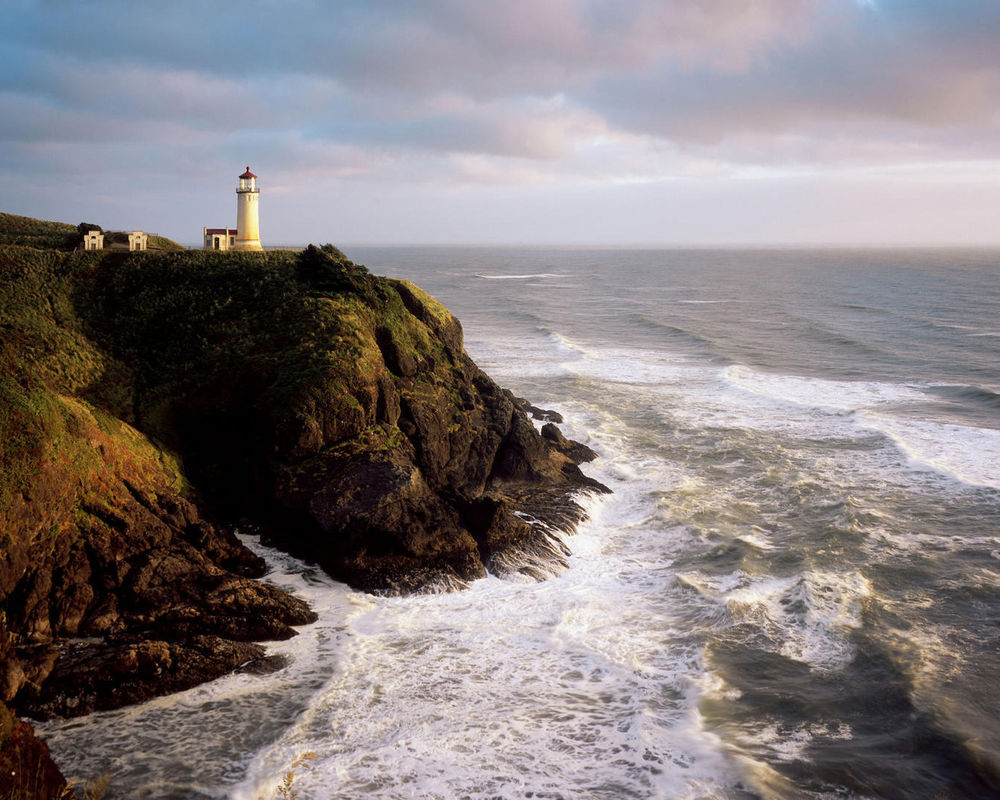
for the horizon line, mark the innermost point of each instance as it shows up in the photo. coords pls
(703, 245)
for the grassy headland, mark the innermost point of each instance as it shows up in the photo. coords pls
(148, 401)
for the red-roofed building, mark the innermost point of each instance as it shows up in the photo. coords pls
(220, 238)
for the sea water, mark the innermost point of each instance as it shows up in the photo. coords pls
(793, 592)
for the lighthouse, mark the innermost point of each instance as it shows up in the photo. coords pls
(247, 220)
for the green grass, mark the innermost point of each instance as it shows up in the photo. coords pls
(162, 243)
(15, 229)
(439, 314)
(28, 420)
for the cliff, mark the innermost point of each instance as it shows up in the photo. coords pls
(150, 402)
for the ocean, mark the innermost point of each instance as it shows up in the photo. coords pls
(794, 591)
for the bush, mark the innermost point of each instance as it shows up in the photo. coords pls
(15, 229)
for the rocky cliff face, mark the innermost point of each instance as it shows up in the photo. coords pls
(106, 562)
(338, 412)
(421, 493)
(150, 403)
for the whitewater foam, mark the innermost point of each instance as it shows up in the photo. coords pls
(791, 743)
(522, 277)
(552, 692)
(821, 393)
(968, 455)
(585, 685)
(806, 618)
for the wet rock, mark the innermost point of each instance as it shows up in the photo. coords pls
(577, 452)
(266, 665)
(99, 676)
(380, 526)
(437, 507)
(535, 412)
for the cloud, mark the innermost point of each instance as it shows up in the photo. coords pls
(868, 79)
(453, 93)
(484, 48)
(696, 72)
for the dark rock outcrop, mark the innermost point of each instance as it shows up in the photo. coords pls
(97, 676)
(544, 415)
(577, 452)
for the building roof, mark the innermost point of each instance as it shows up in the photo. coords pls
(248, 173)
(225, 231)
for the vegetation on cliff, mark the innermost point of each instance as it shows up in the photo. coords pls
(149, 401)
(15, 229)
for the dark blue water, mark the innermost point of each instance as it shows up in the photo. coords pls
(793, 592)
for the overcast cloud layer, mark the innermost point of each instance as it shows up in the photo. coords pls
(573, 121)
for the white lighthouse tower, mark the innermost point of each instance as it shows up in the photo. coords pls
(247, 219)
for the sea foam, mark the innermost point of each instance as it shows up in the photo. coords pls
(969, 455)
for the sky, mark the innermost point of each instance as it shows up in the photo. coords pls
(582, 122)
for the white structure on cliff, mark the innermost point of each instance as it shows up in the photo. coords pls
(247, 222)
(138, 241)
(246, 236)
(93, 240)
